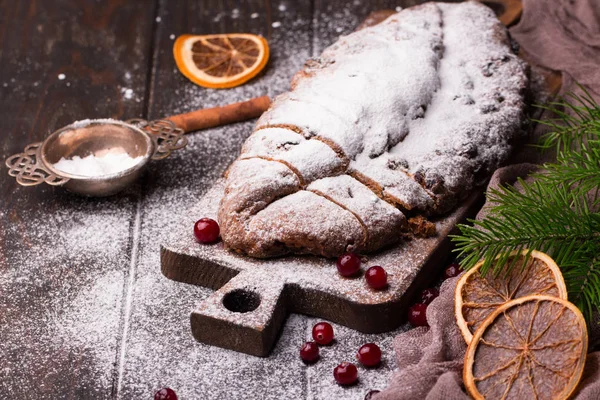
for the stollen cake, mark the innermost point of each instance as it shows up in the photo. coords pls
(400, 119)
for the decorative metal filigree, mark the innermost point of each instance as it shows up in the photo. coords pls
(165, 134)
(28, 169)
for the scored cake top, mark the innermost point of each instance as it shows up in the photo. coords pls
(398, 119)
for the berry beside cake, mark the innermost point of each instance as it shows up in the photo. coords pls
(394, 121)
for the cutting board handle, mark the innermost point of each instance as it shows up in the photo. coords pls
(247, 313)
(508, 11)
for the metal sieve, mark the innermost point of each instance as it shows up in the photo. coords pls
(146, 140)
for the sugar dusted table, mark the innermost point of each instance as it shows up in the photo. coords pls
(84, 309)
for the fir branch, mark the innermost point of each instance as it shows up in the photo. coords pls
(580, 171)
(582, 277)
(577, 121)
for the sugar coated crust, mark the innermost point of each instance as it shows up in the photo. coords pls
(399, 119)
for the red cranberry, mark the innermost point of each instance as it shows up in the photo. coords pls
(369, 355)
(165, 394)
(428, 295)
(417, 315)
(348, 264)
(206, 230)
(453, 270)
(370, 394)
(309, 352)
(322, 333)
(376, 277)
(345, 373)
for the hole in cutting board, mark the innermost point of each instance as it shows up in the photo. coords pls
(241, 300)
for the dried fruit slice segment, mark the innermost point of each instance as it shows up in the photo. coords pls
(476, 296)
(533, 347)
(220, 61)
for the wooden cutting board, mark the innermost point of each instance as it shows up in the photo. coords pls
(253, 297)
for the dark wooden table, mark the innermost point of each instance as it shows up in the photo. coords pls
(84, 309)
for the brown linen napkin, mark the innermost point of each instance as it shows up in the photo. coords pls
(562, 35)
(430, 360)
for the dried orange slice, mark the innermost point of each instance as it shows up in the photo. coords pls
(476, 296)
(529, 348)
(220, 61)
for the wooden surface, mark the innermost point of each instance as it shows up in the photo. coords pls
(84, 309)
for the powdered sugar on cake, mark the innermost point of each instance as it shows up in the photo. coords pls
(377, 216)
(313, 158)
(418, 110)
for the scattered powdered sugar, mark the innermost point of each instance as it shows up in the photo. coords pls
(320, 375)
(330, 18)
(254, 15)
(160, 348)
(199, 367)
(61, 77)
(62, 290)
(90, 318)
(276, 24)
(127, 93)
(93, 166)
(72, 254)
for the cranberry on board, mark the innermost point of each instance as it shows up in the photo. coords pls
(348, 264)
(428, 295)
(345, 373)
(376, 277)
(165, 394)
(452, 270)
(309, 352)
(322, 333)
(417, 315)
(206, 230)
(369, 355)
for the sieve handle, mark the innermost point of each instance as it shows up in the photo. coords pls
(29, 170)
(164, 134)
